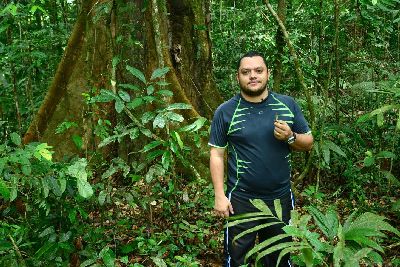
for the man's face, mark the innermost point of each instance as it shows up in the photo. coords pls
(252, 76)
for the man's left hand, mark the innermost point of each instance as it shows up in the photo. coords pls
(282, 130)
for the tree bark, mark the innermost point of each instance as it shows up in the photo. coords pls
(175, 35)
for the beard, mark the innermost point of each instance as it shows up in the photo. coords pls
(253, 93)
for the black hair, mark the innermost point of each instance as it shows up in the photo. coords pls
(251, 54)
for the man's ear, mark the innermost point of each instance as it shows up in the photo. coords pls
(237, 77)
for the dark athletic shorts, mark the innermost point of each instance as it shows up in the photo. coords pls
(234, 254)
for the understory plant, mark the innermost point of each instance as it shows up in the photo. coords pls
(320, 239)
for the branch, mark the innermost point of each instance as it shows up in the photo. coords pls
(299, 72)
(300, 76)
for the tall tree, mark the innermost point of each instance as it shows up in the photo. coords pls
(175, 35)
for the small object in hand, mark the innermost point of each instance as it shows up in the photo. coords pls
(276, 116)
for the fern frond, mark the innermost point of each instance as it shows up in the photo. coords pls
(292, 246)
(328, 223)
(367, 242)
(265, 244)
(254, 229)
(260, 204)
(236, 222)
(369, 220)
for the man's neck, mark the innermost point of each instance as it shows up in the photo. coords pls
(255, 99)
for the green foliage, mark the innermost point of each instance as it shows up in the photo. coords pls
(326, 242)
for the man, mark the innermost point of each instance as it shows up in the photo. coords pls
(259, 128)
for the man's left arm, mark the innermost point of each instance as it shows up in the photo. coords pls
(299, 142)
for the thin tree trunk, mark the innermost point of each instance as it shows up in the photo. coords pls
(280, 44)
(337, 63)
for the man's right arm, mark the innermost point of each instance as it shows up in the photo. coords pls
(222, 204)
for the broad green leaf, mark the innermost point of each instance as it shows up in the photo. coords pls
(15, 138)
(159, 73)
(42, 252)
(134, 133)
(290, 249)
(119, 106)
(104, 96)
(42, 151)
(278, 208)
(165, 93)
(78, 171)
(386, 154)
(254, 229)
(26, 169)
(261, 246)
(154, 154)
(102, 197)
(159, 262)
(77, 141)
(326, 153)
(178, 106)
(124, 95)
(115, 61)
(138, 101)
(3, 162)
(196, 125)
(129, 86)
(174, 116)
(4, 191)
(89, 262)
(332, 146)
(155, 170)
(178, 139)
(246, 220)
(159, 121)
(147, 116)
(49, 230)
(260, 204)
(107, 256)
(163, 83)
(379, 119)
(151, 145)
(146, 132)
(150, 89)
(398, 121)
(369, 161)
(84, 188)
(391, 178)
(137, 73)
(45, 187)
(14, 188)
(166, 159)
(107, 141)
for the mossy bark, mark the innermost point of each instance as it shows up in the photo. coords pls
(176, 36)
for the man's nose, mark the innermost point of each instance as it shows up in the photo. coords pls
(253, 74)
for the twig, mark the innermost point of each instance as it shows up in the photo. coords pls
(17, 249)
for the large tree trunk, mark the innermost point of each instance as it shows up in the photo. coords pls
(175, 35)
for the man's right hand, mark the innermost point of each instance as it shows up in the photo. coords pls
(223, 206)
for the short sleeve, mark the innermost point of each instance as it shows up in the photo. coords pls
(219, 130)
(300, 124)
